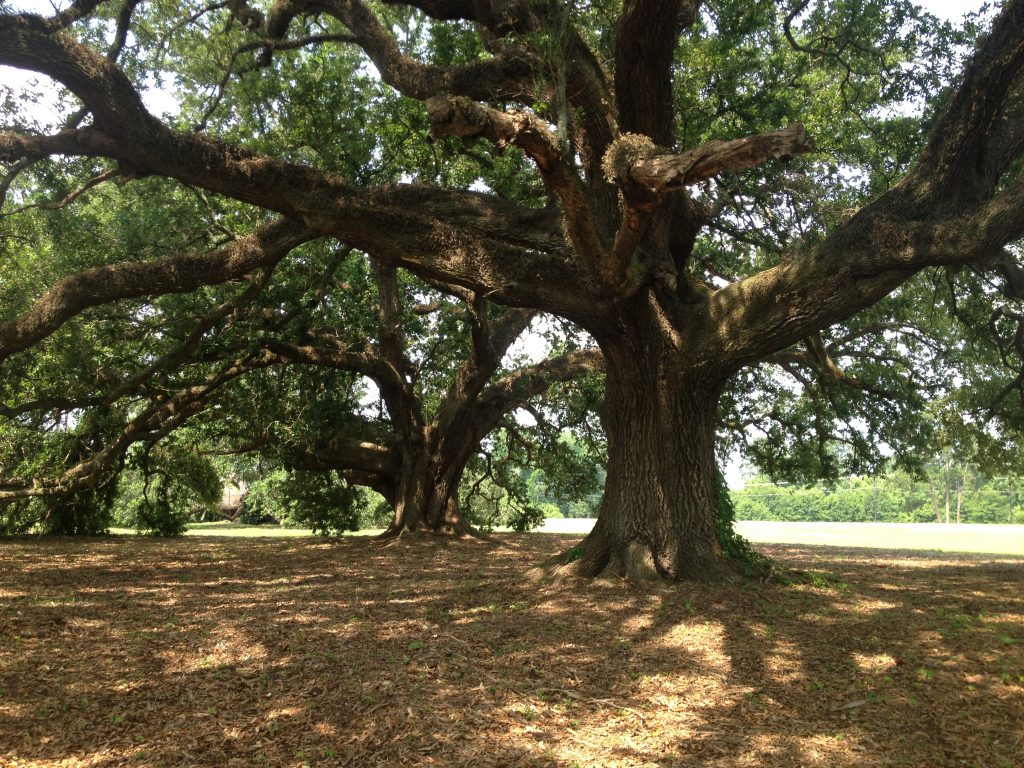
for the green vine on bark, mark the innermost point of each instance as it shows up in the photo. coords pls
(736, 548)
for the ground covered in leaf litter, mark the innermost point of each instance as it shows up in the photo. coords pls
(220, 652)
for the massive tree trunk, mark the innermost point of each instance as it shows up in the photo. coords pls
(657, 518)
(425, 496)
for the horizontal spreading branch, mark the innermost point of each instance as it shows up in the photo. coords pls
(364, 362)
(856, 265)
(519, 256)
(153, 423)
(182, 273)
(18, 147)
(493, 246)
(514, 390)
(507, 75)
(379, 462)
(645, 173)
(943, 213)
(185, 352)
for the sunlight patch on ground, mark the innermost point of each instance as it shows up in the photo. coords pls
(213, 652)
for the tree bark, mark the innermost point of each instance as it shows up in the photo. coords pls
(426, 494)
(657, 518)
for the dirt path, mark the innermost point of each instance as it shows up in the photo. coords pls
(221, 652)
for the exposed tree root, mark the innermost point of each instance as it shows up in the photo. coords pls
(461, 532)
(637, 563)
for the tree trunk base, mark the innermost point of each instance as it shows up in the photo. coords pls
(462, 530)
(637, 563)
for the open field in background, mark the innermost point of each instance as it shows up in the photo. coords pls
(990, 539)
(228, 652)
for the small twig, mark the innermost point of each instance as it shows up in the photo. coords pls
(93, 182)
(606, 702)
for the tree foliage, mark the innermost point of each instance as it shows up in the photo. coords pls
(892, 498)
(733, 199)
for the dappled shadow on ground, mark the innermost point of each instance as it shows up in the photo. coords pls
(219, 652)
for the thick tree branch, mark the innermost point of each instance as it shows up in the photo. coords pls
(125, 280)
(396, 388)
(514, 390)
(161, 366)
(951, 169)
(645, 44)
(490, 343)
(506, 76)
(893, 238)
(631, 160)
(382, 462)
(644, 173)
(466, 119)
(21, 147)
(154, 423)
(476, 240)
(337, 355)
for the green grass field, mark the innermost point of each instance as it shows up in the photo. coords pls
(238, 530)
(988, 539)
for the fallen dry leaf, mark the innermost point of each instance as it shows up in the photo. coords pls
(431, 652)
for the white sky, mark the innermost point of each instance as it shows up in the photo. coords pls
(953, 10)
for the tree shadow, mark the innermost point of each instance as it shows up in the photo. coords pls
(234, 652)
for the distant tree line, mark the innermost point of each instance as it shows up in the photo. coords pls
(948, 493)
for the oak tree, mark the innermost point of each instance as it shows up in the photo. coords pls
(707, 186)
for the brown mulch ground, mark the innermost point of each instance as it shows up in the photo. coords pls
(248, 652)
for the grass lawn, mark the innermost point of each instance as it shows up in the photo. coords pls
(988, 539)
(991, 539)
(223, 652)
